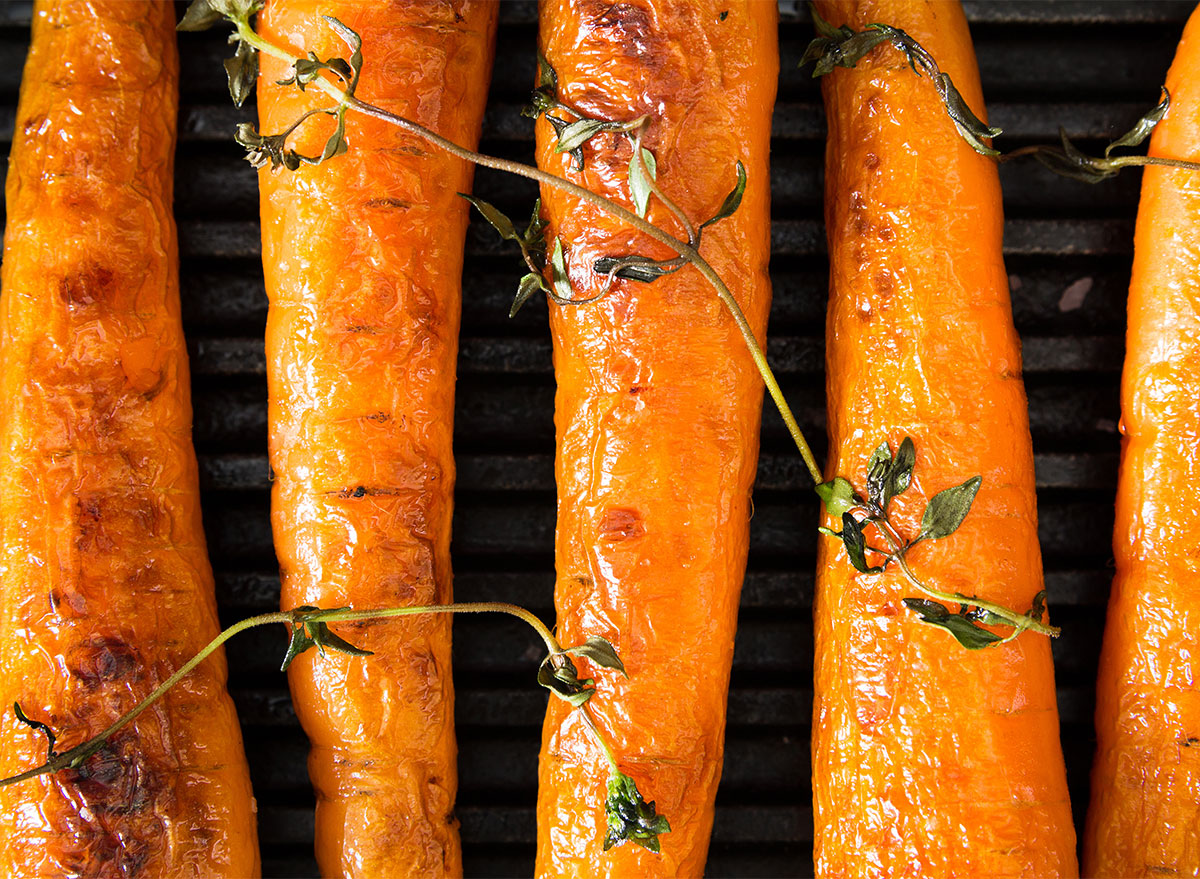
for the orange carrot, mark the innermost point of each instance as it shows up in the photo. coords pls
(1144, 818)
(105, 587)
(363, 260)
(928, 760)
(657, 415)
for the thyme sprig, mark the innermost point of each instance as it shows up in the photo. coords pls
(843, 47)
(309, 628)
(1067, 160)
(888, 476)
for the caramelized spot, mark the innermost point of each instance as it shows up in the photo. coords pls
(103, 660)
(884, 284)
(91, 284)
(387, 203)
(621, 523)
(871, 161)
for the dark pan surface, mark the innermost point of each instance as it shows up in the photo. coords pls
(1092, 67)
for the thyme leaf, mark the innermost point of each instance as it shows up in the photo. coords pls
(843, 47)
(560, 676)
(241, 71)
(948, 508)
(1143, 127)
(203, 14)
(732, 201)
(889, 475)
(630, 817)
(306, 634)
(961, 625)
(856, 545)
(639, 180)
(601, 652)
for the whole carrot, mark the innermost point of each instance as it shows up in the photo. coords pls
(1144, 818)
(105, 586)
(657, 415)
(928, 759)
(363, 261)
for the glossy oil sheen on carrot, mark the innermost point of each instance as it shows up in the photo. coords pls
(928, 760)
(105, 586)
(657, 416)
(363, 263)
(1144, 818)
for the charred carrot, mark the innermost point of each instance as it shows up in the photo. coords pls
(106, 587)
(928, 759)
(1144, 818)
(657, 413)
(363, 261)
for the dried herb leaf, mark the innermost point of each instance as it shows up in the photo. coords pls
(558, 675)
(1136, 135)
(645, 272)
(354, 41)
(969, 126)
(576, 134)
(879, 470)
(547, 75)
(630, 817)
(967, 632)
(495, 216)
(902, 468)
(856, 545)
(1038, 611)
(306, 634)
(558, 274)
(947, 509)
(838, 496)
(200, 16)
(242, 72)
(639, 184)
(530, 283)
(601, 652)
(732, 201)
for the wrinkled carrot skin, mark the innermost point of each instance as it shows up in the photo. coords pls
(928, 760)
(363, 261)
(105, 586)
(657, 417)
(1144, 818)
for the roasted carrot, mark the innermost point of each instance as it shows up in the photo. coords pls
(1144, 818)
(363, 262)
(928, 759)
(106, 587)
(657, 415)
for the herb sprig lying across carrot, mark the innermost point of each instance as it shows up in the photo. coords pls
(927, 760)
(657, 410)
(1144, 818)
(106, 586)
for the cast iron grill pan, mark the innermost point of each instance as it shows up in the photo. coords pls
(1093, 67)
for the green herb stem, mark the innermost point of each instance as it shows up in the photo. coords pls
(344, 615)
(590, 722)
(75, 756)
(607, 205)
(1115, 162)
(1019, 622)
(652, 185)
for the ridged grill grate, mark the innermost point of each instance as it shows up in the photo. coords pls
(1093, 67)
